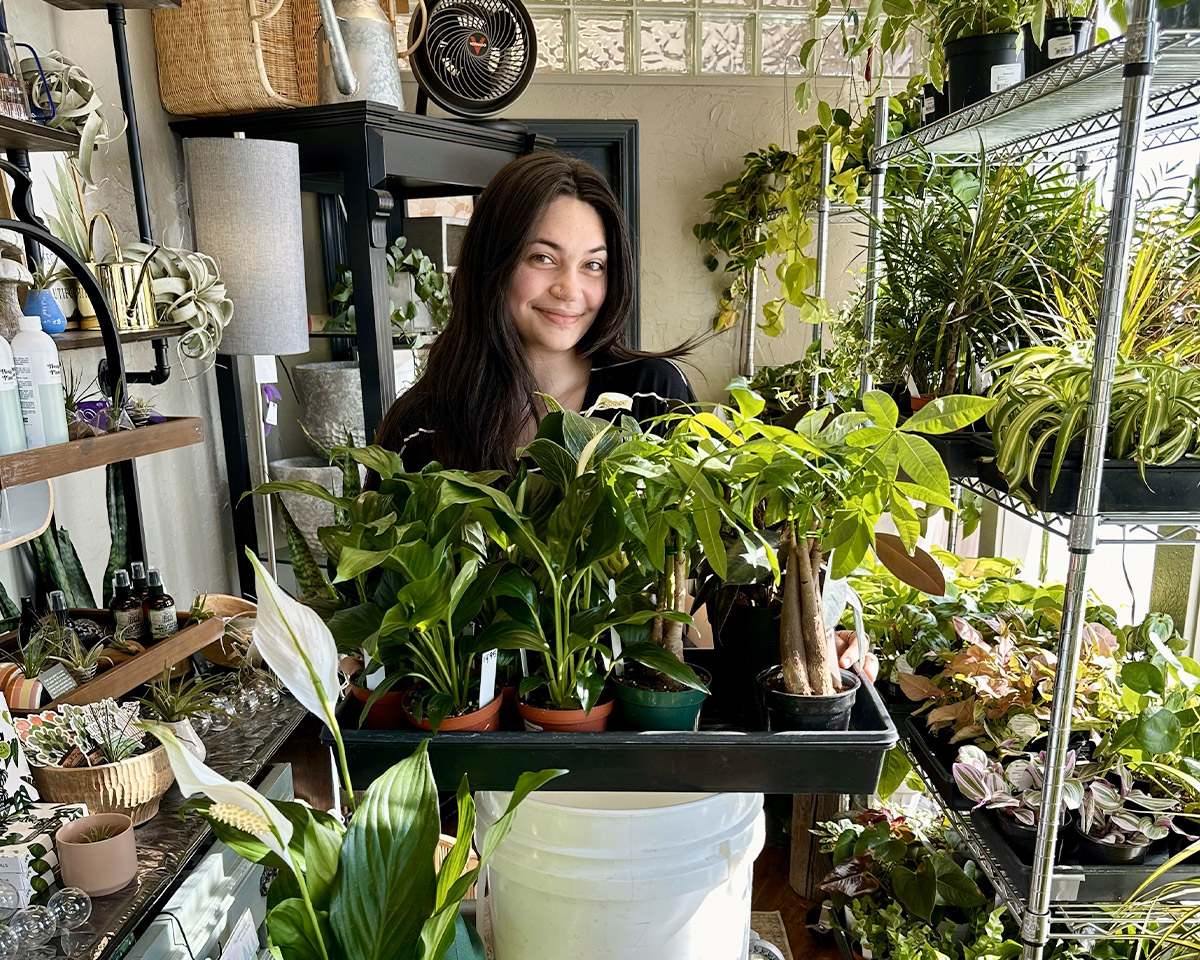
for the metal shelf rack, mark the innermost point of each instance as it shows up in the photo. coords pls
(1117, 98)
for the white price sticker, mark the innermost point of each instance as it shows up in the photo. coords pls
(927, 107)
(272, 414)
(1005, 75)
(487, 678)
(1059, 48)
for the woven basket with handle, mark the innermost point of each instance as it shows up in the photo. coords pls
(219, 57)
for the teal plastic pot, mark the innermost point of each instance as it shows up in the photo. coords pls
(659, 709)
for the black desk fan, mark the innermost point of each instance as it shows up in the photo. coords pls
(476, 57)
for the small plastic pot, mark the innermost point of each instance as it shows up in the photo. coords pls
(934, 104)
(748, 644)
(541, 719)
(789, 711)
(1095, 851)
(487, 718)
(641, 709)
(1022, 838)
(43, 305)
(979, 66)
(1065, 37)
(386, 713)
(101, 867)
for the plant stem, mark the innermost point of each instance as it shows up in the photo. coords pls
(791, 640)
(312, 914)
(812, 623)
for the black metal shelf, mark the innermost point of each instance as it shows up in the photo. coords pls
(82, 339)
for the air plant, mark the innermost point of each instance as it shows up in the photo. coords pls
(81, 660)
(173, 702)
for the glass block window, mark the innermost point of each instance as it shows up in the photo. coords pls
(687, 37)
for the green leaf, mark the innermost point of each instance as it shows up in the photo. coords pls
(880, 408)
(1143, 676)
(896, 768)
(1158, 731)
(355, 625)
(354, 562)
(708, 524)
(509, 635)
(953, 886)
(385, 889)
(825, 114)
(660, 659)
(921, 462)
(322, 853)
(291, 932)
(466, 945)
(916, 891)
(947, 414)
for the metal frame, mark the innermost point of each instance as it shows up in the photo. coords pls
(822, 260)
(878, 180)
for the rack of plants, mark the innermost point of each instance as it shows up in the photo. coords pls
(930, 757)
(713, 759)
(1166, 492)
(1075, 882)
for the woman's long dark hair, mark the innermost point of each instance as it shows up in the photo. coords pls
(477, 391)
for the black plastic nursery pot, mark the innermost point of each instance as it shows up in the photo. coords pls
(1096, 851)
(979, 66)
(1065, 37)
(747, 645)
(1023, 839)
(639, 709)
(935, 104)
(789, 711)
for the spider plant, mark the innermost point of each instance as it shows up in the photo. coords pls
(180, 700)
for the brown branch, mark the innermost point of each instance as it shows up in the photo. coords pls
(791, 637)
(673, 640)
(812, 624)
(826, 641)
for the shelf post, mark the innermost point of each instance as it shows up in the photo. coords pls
(137, 175)
(878, 176)
(749, 321)
(822, 260)
(1140, 52)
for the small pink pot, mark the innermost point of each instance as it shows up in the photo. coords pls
(102, 867)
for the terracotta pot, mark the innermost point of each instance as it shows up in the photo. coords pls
(387, 713)
(566, 721)
(133, 787)
(102, 867)
(486, 719)
(919, 401)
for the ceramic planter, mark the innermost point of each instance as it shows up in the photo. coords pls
(487, 718)
(330, 395)
(43, 304)
(102, 867)
(789, 711)
(133, 787)
(309, 513)
(641, 709)
(1095, 851)
(541, 719)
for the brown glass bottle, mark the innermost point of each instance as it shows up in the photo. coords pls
(160, 609)
(128, 616)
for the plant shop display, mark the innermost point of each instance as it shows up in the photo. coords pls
(180, 704)
(367, 889)
(1058, 30)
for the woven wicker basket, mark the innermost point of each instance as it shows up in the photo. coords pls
(133, 787)
(219, 57)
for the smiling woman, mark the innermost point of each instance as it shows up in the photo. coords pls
(542, 300)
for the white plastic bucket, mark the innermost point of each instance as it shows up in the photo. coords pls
(614, 876)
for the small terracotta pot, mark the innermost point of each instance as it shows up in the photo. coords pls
(387, 713)
(919, 401)
(486, 719)
(102, 867)
(566, 721)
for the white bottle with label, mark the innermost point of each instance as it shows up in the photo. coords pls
(12, 429)
(39, 383)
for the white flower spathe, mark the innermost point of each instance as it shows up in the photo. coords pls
(195, 777)
(297, 645)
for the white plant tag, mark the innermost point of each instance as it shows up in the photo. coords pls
(487, 678)
(927, 107)
(265, 370)
(614, 638)
(1005, 75)
(524, 654)
(1059, 48)
(272, 414)
(243, 939)
(373, 680)
(913, 390)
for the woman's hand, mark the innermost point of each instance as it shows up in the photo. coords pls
(847, 650)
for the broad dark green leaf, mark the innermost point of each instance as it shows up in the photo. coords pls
(1143, 676)
(916, 890)
(1158, 731)
(291, 932)
(953, 886)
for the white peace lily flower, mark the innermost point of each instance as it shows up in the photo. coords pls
(234, 803)
(297, 645)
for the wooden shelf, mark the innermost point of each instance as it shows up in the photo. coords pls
(79, 339)
(30, 135)
(63, 458)
(127, 4)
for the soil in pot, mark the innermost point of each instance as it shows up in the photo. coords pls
(1022, 838)
(1065, 37)
(1094, 851)
(787, 711)
(486, 718)
(979, 66)
(646, 700)
(549, 720)
(386, 713)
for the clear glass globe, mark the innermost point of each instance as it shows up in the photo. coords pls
(10, 900)
(34, 926)
(71, 907)
(221, 714)
(245, 703)
(201, 722)
(10, 944)
(268, 691)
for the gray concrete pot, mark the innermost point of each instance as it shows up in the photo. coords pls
(309, 512)
(330, 395)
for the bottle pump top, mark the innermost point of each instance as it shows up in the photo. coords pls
(137, 570)
(156, 584)
(121, 584)
(58, 601)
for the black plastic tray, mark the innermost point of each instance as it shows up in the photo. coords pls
(1075, 882)
(914, 731)
(960, 452)
(713, 759)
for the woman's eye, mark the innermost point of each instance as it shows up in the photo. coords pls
(596, 266)
(540, 258)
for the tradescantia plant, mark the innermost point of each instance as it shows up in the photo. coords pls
(1015, 789)
(366, 889)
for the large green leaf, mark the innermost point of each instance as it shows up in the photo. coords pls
(510, 635)
(439, 932)
(947, 414)
(1158, 731)
(291, 932)
(896, 768)
(1143, 676)
(657, 658)
(953, 885)
(385, 889)
(322, 853)
(880, 408)
(916, 890)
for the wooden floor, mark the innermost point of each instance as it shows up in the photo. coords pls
(772, 892)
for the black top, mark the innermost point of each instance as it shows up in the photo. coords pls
(644, 388)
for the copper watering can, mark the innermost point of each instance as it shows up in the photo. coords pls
(124, 282)
(357, 52)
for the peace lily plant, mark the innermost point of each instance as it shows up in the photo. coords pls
(365, 889)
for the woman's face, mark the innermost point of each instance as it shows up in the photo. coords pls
(560, 283)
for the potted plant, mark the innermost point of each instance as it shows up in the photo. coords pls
(40, 302)
(1014, 793)
(825, 486)
(372, 890)
(81, 661)
(97, 754)
(1118, 821)
(97, 853)
(1057, 30)
(177, 703)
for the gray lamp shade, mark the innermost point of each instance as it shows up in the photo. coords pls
(245, 197)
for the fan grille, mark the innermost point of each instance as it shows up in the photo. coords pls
(477, 48)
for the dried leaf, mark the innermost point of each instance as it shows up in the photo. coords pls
(919, 570)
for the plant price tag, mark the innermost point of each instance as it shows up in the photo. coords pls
(613, 636)
(1005, 75)
(487, 678)
(243, 939)
(57, 681)
(1059, 48)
